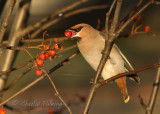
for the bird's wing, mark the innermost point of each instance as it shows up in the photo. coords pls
(127, 63)
(129, 66)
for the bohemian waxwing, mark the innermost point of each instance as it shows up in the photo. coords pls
(91, 43)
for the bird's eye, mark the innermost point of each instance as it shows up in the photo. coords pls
(79, 29)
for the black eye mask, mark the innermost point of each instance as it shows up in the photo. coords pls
(77, 30)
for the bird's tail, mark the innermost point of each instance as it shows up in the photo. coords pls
(121, 82)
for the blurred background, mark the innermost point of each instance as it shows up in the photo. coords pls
(74, 79)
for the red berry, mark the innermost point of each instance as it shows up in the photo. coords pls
(83, 98)
(42, 56)
(2, 111)
(46, 55)
(38, 72)
(56, 39)
(50, 111)
(146, 29)
(46, 47)
(52, 52)
(138, 18)
(67, 34)
(40, 63)
(57, 46)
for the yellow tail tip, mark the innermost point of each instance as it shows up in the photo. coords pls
(126, 100)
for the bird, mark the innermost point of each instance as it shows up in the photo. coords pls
(91, 43)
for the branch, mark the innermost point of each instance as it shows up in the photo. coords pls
(134, 16)
(106, 52)
(5, 23)
(99, 84)
(75, 12)
(19, 23)
(130, 13)
(60, 39)
(29, 47)
(152, 101)
(41, 22)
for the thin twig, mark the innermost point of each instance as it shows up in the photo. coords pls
(60, 39)
(24, 48)
(115, 20)
(12, 47)
(66, 49)
(19, 48)
(130, 13)
(142, 102)
(57, 93)
(75, 12)
(135, 8)
(152, 100)
(62, 63)
(106, 52)
(107, 18)
(14, 68)
(40, 78)
(17, 79)
(5, 23)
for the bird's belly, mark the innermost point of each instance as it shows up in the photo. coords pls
(110, 69)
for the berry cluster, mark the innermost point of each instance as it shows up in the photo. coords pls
(136, 26)
(146, 28)
(47, 53)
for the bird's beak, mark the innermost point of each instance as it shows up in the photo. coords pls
(71, 33)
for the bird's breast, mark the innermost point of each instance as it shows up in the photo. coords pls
(92, 55)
